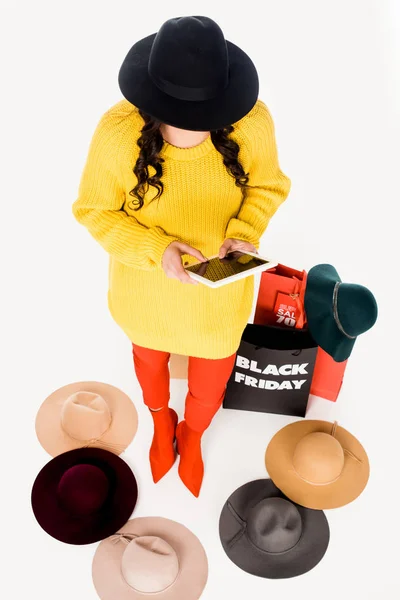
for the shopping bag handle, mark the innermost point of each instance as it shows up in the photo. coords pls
(298, 297)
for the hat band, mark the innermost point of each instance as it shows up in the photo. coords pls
(96, 441)
(126, 538)
(336, 314)
(313, 482)
(348, 452)
(181, 92)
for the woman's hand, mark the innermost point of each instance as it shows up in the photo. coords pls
(231, 244)
(172, 261)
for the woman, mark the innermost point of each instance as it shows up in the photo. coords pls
(184, 167)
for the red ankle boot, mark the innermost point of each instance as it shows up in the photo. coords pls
(162, 451)
(191, 467)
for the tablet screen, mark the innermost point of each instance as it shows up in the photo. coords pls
(235, 262)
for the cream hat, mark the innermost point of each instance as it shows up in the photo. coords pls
(86, 414)
(150, 557)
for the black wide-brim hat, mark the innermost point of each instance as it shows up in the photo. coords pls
(188, 76)
(267, 535)
(337, 312)
(84, 495)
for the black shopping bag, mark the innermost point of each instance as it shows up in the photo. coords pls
(273, 371)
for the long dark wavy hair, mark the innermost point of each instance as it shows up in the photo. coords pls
(150, 143)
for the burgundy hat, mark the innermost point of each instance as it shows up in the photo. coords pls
(83, 496)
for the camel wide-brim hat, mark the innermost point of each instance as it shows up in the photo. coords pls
(150, 557)
(86, 414)
(317, 464)
(267, 535)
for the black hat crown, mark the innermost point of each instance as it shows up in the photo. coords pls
(189, 76)
(189, 59)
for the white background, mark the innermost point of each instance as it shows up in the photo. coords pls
(329, 73)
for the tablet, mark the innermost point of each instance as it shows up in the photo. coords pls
(236, 265)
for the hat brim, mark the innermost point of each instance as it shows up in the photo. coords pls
(192, 578)
(303, 557)
(123, 413)
(232, 104)
(279, 464)
(70, 529)
(318, 305)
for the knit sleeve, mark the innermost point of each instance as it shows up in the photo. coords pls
(271, 185)
(101, 197)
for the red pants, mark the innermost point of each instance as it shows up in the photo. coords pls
(207, 379)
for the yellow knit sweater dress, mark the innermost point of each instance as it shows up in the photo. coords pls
(200, 205)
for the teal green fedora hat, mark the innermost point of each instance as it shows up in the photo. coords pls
(337, 312)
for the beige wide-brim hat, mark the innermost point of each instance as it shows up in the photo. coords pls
(150, 557)
(86, 414)
(317, 464)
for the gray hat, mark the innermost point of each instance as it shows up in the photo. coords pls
(266, 534)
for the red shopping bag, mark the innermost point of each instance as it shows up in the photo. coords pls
(328, 376)
(280, 299)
